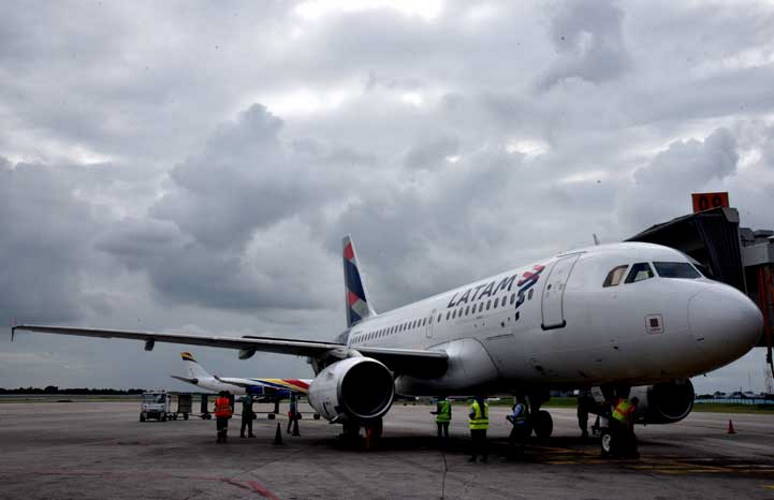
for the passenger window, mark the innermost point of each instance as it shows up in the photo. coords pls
(448, 313)
(640, 271)
(467, 310)
(488, 303)
(513, 298)
(529, 295)
(615, 276)
(439, 319)
(481, 307)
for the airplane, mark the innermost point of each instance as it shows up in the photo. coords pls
(267, 390)
(607, 317)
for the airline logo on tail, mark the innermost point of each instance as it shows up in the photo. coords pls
(356, 300)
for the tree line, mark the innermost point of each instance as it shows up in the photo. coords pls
(52, 389)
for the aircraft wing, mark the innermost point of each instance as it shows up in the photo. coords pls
(403, 361)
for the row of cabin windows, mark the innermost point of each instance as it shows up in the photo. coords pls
(409, 325)
(643, 270)
(462, 311)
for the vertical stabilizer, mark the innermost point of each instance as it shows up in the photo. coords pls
(193, 368)
(357, 306)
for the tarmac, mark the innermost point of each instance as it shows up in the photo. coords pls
(85, 450)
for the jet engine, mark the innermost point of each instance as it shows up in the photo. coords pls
(353, 389)
(664, 403)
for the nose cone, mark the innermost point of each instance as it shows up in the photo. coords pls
(725, 322)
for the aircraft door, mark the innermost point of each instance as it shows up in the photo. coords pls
(431, 324)
(553, 292)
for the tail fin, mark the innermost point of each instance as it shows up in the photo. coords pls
(193, 368)
(357, 306)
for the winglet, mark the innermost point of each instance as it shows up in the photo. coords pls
(356, 300)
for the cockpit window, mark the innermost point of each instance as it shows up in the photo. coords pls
(614, 276)
(640, 271)
(676, 270)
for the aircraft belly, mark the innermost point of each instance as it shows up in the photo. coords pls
(470, 368)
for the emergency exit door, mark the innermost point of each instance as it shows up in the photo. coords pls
(553, 292)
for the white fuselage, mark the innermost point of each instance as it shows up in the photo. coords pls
(553, 323)
(214, 385)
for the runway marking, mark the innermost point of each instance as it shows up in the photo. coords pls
(253, 486)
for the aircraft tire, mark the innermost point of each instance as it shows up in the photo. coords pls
(317, 416)
(606, 442)
(185, 416)
(543, 425)
(271, 416)
(142, 416)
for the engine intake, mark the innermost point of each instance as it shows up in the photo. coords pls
(664, 403)
(357, 388)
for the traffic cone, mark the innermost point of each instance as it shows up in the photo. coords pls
(295, 427)
(278, 435)
(731, 427)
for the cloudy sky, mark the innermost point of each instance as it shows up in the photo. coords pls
(192, 166)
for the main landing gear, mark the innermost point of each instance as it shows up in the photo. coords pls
(540, 420)
(372, 432)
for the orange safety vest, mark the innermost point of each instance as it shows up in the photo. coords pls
(223, 407)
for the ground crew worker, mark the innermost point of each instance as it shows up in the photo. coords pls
(478, 422)
(247, 416)
(443, 414)
(622, 427)
(292, 411)
(520, 431)
(585, 403)
(223, 412)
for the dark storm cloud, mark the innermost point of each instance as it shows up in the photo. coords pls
(689, 166)
(588, 37)
(433, 153)
(45, 233)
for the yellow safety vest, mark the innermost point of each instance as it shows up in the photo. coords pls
(443, 414)
(623, 411)
(480, 419)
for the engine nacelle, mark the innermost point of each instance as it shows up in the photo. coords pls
(353, 389)
(664, 403)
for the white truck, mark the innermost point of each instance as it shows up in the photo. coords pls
(156, 405)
